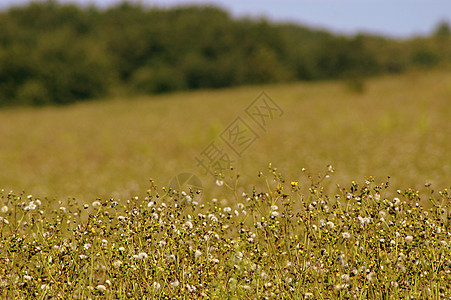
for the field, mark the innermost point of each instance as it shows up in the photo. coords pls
(91, 212)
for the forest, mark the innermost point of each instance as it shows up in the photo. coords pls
(52, 53)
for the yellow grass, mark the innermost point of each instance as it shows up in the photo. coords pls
(399, 127)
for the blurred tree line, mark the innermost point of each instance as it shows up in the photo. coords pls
(52, 53)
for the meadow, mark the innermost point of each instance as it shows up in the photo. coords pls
(354, 204)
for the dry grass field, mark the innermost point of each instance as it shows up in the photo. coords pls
(81, 219)
(399, 126)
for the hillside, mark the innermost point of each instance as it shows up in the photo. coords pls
(394, 126)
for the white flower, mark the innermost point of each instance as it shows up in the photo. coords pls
(175, 283)
(156, 285)
(212, 217)
(5, 209)
(117, 264)
(82, 256)
(275, 213)
(142, 255)
(190, 288)
(227, 209)
(219, 182)
(409, 238)
(87, 246)
(274, 207)
(96, 204)
(197, 253)
(122, 249)
(346, 235)
(171, 257)
(189, 224)
(330, 224)
(345, 277)
(104, 243)
(27, 278)
(101, 288)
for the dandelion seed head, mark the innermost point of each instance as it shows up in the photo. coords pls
(197, 253)
(346, 235)
(142, 255)
(101, 288)
(117, 264)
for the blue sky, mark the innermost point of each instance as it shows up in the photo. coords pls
(397, 18)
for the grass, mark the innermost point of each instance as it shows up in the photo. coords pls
(398, 127)
(279, 243)
(92, 223)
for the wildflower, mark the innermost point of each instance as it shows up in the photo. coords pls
(82, 256)
(104, 243)
(101, 288)
(227, 209)
(371, 277)
(142, 255)
(330, 224)
(219, 182)
(44, 287)
(87, 246)
(86, 206)
(408, 238)
(27, 278)
(275, 213)
(171, 257)
(5, 209)
(239, 256)
(240, 206)
(117, 264)
(294, 183)
(31, 206)
(197, 254)
(346, 235)
(96, 204)
(190, 288)
(122, 249)
(156, 285)
(274, 207)
(345, 277)
(175, 283)
(308, 295)
(189, 224)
